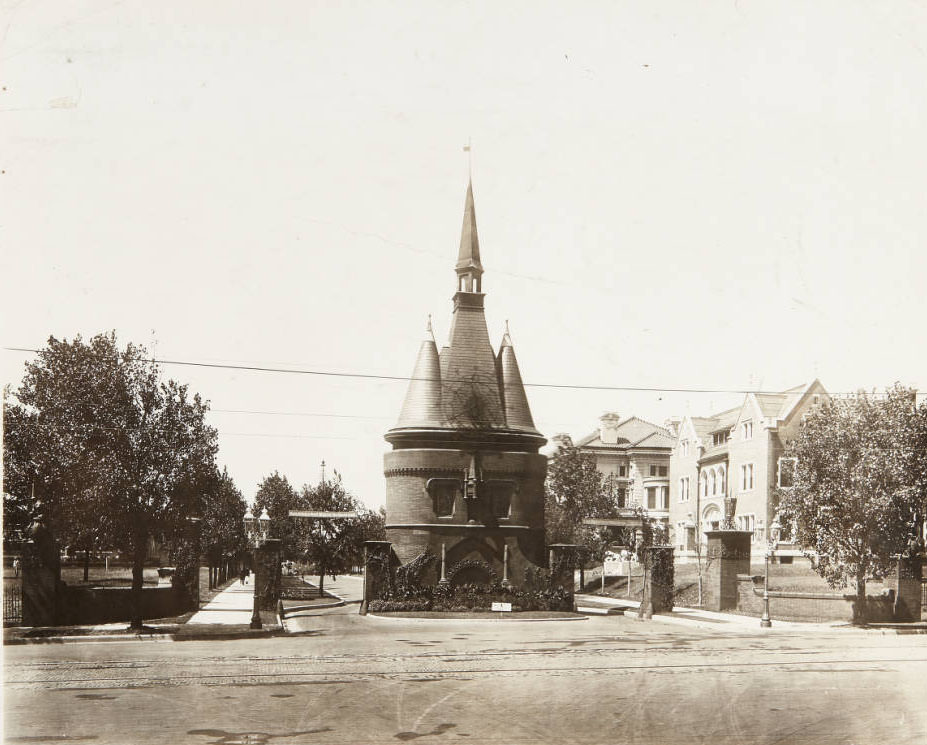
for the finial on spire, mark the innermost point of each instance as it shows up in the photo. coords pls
(506, 338)
(429, 331)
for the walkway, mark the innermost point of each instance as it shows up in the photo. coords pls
(232, 606)
(348, 587)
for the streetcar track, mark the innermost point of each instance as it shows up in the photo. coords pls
(227, 678)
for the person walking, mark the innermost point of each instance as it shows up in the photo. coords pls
(243, 576)
(16, 567)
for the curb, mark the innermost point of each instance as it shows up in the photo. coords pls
(491, 618)
(158, 638)
(321, 606)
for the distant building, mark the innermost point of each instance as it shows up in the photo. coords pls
(736, 453)
(634, 456)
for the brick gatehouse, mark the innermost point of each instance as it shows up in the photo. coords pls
(464, 477)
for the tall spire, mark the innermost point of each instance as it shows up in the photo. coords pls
(469, 269)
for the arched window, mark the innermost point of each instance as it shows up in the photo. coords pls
(712, 483)
(703, 484)
(722, 486)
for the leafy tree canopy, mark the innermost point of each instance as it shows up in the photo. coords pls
(859, 486)
(576, 490)
(109, 447)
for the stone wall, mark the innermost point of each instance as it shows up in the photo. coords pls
(89, 605)
(812, 607)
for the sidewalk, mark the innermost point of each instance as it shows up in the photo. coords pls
(597, 604)
(232, 606)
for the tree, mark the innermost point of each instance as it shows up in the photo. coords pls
(277, 496)
(334, 546)
(223, 519)
(859, 485)
(576, 490)
(109, 446)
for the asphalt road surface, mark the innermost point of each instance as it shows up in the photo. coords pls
(348, 679)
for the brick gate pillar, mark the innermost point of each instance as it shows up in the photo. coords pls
(267, 573)
(728, 555)
(908, 592)
(659, 584)
(377, 555)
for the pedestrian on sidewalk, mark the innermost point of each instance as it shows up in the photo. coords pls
(243, 576)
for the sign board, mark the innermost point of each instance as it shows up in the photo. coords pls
(315, 515)
(504, 607)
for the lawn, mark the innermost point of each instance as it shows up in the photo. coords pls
(798, 577)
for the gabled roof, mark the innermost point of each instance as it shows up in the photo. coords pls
(632, 432)
(775, 406)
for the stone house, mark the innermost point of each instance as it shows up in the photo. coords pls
(735, 453)
(634, 455)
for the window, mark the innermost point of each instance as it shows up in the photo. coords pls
(622, 497)
(746, 430)
(662, 470)
(719, 438)
(746, 476)
(656, 497)
(622, 471)
(703, 484)
(653, 470)
(443, 494)
(501, 494)
(712, 484)
(747, 522)
(684, 447)
(684, 489)
(786, 473)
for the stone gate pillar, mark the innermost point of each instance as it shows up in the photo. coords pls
(41, 575)
(267, 573)
(659, 582)
(728, 555)
(377, 555)
(908, 592)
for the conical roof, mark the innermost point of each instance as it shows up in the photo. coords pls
(422, 407)
(469, 254)
(514, 398)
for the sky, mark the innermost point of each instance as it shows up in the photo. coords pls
(669, 195)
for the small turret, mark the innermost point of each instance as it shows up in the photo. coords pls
(514, 399)
(422, 407)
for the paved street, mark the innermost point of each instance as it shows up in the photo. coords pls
(348, 679)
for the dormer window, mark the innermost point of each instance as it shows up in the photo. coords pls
(684, 447)
(719, 438)
(746, 430)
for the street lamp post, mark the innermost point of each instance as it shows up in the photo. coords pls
(765, 621)
(256, 528)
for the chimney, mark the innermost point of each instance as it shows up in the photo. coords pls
(608, 428)
(672, 424)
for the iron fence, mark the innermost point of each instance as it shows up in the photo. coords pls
(12, 603)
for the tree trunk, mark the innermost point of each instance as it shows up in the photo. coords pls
(138, 576)
(321, 580)
(87, 564)
(861, 615)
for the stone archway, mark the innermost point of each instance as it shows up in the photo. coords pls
(471, 572)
